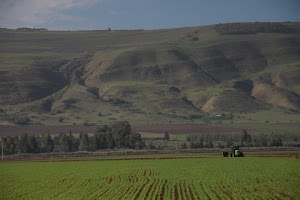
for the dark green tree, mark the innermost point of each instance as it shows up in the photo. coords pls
(201, 145)
(84, 143)
(120, 132)
(33, 144)
(65, 143)
(262, 140)
(9, 145)
(135, 141)
(194, 145)
(210, 144)
(23, 144)
(229, 142)
(276, 141)
(47, 144)
(75, 143)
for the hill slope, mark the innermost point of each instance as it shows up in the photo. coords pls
(157, 76)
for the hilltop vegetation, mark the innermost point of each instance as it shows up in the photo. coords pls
(151, 76)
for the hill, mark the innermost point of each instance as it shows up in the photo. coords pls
(249, 71)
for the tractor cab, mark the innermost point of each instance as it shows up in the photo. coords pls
(234, 152)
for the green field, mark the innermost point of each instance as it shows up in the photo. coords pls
(195, 176)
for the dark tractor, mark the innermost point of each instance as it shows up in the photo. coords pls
(234, 152)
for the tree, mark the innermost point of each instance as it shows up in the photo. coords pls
(9, 145)
(262, 140)
(193, 145)
(276, 141)
(201, 145)
(84, 143)
(75, 143)
(110, 141)
(210, 144)
(229, 142)
(33, 145)
(65, 143)
(184, 146)
(93, 146)
(47, 144)
(120, 132)
(135, 141)
(23, 144)
(166, 136)
(119, 135)
(220, 146)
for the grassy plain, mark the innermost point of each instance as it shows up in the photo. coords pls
(195, 176)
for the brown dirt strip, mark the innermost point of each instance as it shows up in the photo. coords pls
(176, 192)
(141, 189)
(163, 190)
(208, 197)
(271, 192)
(126, 191)
(149, 190)
(103, 193)
(286, 195)
(226, 191)
(247, 190)
(183, 189)
(215, 193)
(110, 180)
(191, 193)
(84, 183)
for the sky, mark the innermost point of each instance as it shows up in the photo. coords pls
(141, 14)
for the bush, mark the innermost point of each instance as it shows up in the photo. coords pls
(22, 120)
(184, 146)
(85, 123)
(61, 119)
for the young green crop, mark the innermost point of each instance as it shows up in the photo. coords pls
(184, 178)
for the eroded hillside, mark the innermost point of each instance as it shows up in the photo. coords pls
(174, 75)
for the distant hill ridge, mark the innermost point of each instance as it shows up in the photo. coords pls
(170, 74)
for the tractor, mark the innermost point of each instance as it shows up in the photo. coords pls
(234, 152)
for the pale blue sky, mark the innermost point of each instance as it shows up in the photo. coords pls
(141, 14)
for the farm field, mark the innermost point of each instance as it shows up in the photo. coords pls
(173, 128)
(188, 176)
(157, 128)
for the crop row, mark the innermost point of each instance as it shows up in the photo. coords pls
(210, 178)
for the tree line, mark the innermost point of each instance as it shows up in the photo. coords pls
(244, 139)
(116, 136)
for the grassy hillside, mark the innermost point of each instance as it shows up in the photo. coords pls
(246, 70)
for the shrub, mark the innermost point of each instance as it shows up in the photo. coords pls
(22, 120)
(61, 119)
